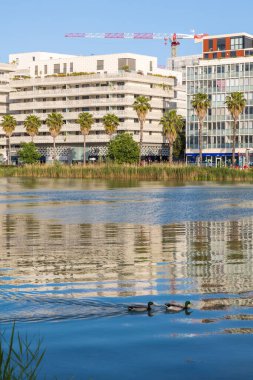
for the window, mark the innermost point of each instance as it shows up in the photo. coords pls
(36, 70)
(210, 45)
(57, 68)
(206, 56)
(71, 68)
(33, 59)
(221, 44)
(127, 64)
(45, 69)
(237, 43)
(100, 64)
(150, 66)
(233, 54)
(65, 68)
(214, 55)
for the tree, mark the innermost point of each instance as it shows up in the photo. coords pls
(9, 124)
(142, 107)
(28, 153)
(123, 149)
(200, 104)
(32, 124)
(54, 122)
(85, 120)
(172, 124)
(235, 103)
(111, 122)
(179, 145)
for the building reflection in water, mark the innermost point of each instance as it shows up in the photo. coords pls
(126, 259)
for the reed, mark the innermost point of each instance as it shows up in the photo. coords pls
(19, 358)
(160, 172)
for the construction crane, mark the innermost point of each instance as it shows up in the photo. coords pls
(173, 38)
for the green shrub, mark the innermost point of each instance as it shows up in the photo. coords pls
(123, 149)
(28, 153)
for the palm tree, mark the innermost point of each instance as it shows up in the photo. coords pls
(172, 124)
(85, 120)
(111, 122)
(235, 103)
(54, 122)
(32, 124)
(200, 104)
(8, 124)
(142, 107)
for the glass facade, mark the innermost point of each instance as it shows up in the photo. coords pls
(218, 81)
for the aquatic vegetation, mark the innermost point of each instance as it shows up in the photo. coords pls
(19, 357)
(160, 172)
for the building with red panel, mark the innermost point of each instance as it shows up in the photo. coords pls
(225, 67)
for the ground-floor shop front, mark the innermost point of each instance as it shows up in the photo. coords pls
(221, 159)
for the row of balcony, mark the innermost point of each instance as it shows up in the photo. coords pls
(87, 91)
(231, 74)
(227, 90)
(127, 125)
(94, 78)
(129, 114)
(222, 132)
(106, 102)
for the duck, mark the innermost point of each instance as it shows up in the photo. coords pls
(141, 307)
(176, 308)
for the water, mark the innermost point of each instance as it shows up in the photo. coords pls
(75, 253)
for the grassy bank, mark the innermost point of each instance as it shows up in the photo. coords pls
(161, 172)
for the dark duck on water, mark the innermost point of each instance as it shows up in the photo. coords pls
(176, 308)
(141, 307)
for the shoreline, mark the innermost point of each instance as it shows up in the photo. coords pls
(153, 172)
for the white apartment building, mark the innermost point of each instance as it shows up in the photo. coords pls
(5, 70)
(180, 64)
(101, 84)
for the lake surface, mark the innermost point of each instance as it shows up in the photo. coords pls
(75, 253)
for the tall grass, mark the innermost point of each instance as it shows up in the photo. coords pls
(161, 172)
(19, 361)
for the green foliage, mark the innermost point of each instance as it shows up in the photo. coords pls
(74, 74)
(28, 153)
(142, 106)
(85, 120)
(172, 125)
(162, 76)
(235, 103)
(19, 361)
(125, 68)
(32, 124)
(200, 103)
(123, 149)
(111, 122)
(160, 172)
(54, 122)
(8, 124)
(179, 145)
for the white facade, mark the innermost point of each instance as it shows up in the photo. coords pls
(180, 64)
(26, 60)
(5, 70)
(95, 84)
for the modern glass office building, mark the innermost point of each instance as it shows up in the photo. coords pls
(226, 66)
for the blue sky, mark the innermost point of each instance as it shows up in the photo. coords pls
(30, 25)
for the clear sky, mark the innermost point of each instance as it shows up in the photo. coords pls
(33, 25)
